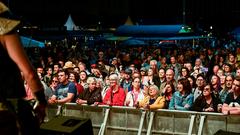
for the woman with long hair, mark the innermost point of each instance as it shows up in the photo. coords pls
(168, 91)
(183, 98)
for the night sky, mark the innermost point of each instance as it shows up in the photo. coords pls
(221, 14)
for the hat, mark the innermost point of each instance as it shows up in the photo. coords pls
(94, 66)
(68, 64)
(143, 69)
(6, 25)
(128, 71)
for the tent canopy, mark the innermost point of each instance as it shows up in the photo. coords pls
(29, 42)
(134, 42)
(153, 30)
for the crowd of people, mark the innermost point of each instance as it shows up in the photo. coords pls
(203, 79)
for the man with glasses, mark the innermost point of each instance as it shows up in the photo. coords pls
(232, 103)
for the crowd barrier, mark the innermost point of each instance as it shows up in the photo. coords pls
(117, 120)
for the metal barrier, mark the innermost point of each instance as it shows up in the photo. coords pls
(130, 121)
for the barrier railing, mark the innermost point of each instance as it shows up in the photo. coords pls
(108, 120)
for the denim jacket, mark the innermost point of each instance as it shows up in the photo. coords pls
(180, 102)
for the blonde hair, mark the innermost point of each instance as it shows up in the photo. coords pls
(91, 80)
(114, 76)
(154, 87)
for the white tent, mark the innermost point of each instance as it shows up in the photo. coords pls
(70, 24)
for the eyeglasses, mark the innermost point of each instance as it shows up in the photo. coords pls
(55, 81)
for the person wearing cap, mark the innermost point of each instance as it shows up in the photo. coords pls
(115, 63)
(127, 80)
(143, 71)
(14, 61)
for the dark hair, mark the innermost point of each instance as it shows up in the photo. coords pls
(161, 68)
(76, 75)
(211, 90)
(54, 76)
(218, 83)
(194, 81)
(188, 73)
(172, 87)
(65, 71)
(201, 75)
(186, 85)
(83, 72)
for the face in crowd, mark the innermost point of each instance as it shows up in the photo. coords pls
(169, 75)
(83, 76)
(91, 83)
(236, 86)
(228, 82)
(113, 80)
(161, 73)
(200, 82)
(153, 90)
(62, 77)
(136, 83)
(207, 91)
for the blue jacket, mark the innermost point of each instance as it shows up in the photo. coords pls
(179, 101)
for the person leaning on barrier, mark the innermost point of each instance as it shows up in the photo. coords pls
(168, 91)
(13, 109)
(115, 95)
(92, 95)
(136, 94)
(153, 101)
(207, 102)
(182, 99)
(66, 91)
(232, 101)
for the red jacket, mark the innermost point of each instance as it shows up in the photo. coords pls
(115, 99)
